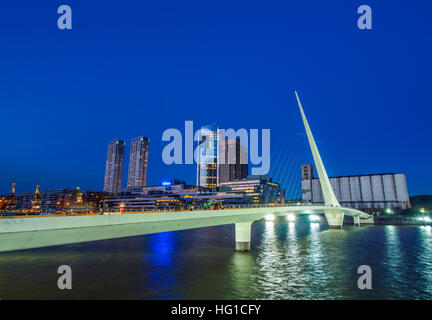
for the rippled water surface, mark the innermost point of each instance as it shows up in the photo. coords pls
(287, 261)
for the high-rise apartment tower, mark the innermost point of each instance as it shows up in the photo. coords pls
(114, 166)
(138, 162)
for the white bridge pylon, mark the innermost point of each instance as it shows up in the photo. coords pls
(327, 190)
(334, 217)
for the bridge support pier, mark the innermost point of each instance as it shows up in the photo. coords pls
(357, 221)
(243, 236)
(334, 219)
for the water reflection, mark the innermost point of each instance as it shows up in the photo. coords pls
(270, 264)
(287, 261)
(315, 253)
(296, 278)
(291, 228)
(162, 246)
(393, 251)
(292, 268)
(426, 230)
(426, 260)
(393, 258)
(317, 273)
(158, 265)
(292, 249)
(243, 266)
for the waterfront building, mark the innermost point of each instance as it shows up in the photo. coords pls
(208, 150)
(114, 166)
(60, 200)
(421, 202)
(368, 192)
(93, 198)
(232, 161)
(177, 195)
(170, 194)
(7, 201)
(261, 189)
(138, 162)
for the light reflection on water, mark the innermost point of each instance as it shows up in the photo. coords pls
(425, 254)
(287, 261)
(271, 272)
(393, 259)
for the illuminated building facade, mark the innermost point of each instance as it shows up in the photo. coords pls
(170, 194)
(114, 166)
(208, 150)
(138, 162)
(93, 198)
(260, 189)
(369, 192)
(232, 160)
(59, 201)
(7, 201)
(177, 195)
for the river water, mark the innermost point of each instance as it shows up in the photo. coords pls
(287, 261)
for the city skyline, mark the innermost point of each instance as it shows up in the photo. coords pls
(212, 63)
(125, 166)
(227, 157)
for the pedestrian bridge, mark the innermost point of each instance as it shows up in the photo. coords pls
(17, 233)
(32, 232)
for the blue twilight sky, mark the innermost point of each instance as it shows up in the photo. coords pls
(130, 68)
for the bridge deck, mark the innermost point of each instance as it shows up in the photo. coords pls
(31, 232)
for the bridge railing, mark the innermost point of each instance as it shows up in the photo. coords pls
(146, 209)
(168, 209)
(201, 208)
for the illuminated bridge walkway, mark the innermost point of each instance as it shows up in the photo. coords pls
(33, 232)
(18, 233)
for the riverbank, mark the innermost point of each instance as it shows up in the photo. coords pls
(400, 220)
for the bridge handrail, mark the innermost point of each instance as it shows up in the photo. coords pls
(169, 209)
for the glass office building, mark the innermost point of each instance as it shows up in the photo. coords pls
(208, 150)
(232, 160)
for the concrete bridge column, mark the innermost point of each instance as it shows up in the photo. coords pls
(335, 219)
(243, 236)
(369, 220)
(357, 221)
